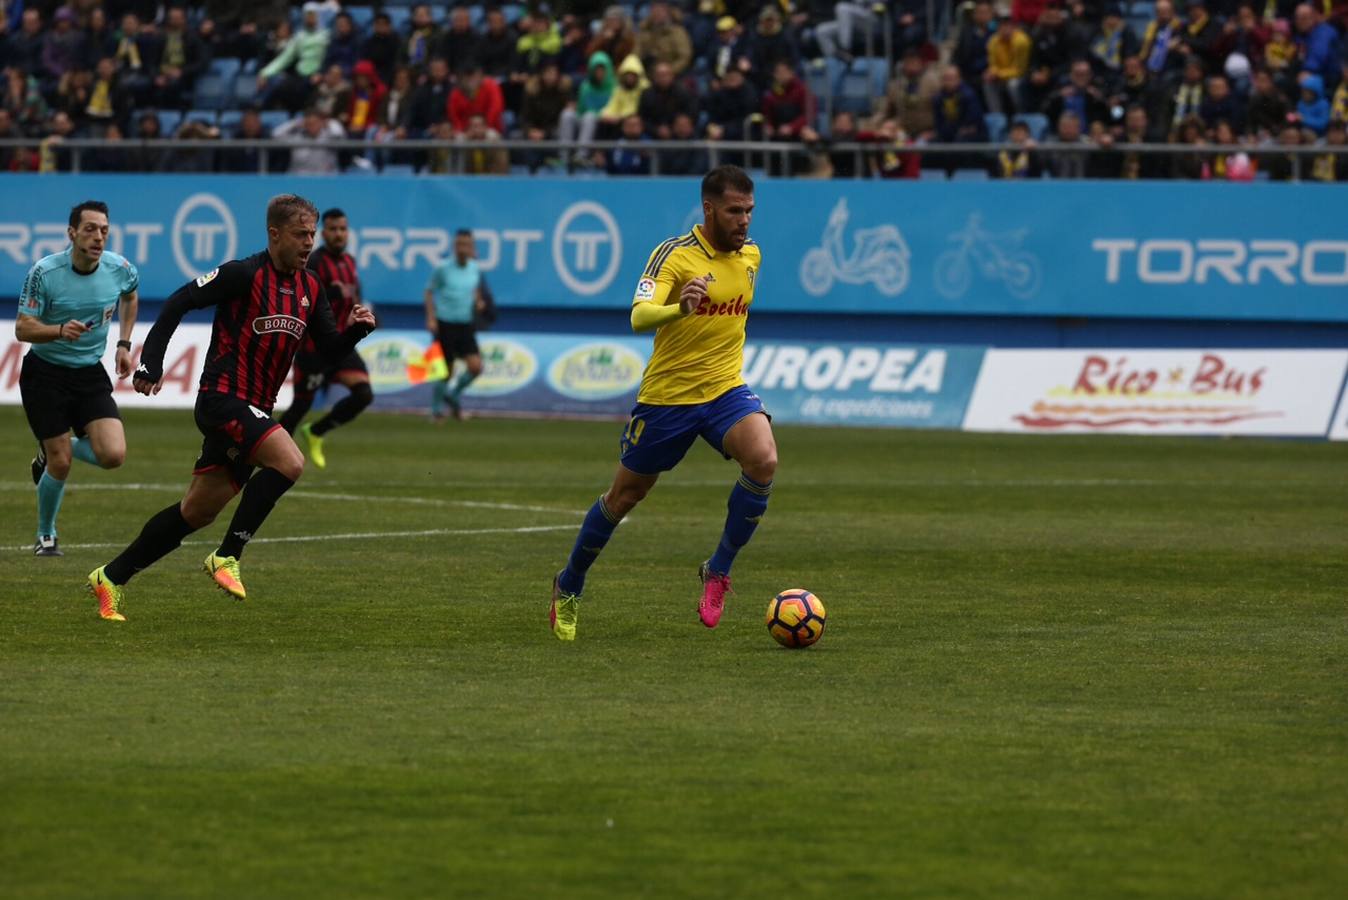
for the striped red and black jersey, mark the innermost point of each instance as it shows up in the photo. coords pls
(341, 282)
(262, 315)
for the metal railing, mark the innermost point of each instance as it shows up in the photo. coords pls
(772, 158)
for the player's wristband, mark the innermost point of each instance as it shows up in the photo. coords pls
(123, 345)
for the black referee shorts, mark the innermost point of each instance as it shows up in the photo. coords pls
(457, 340)
(57, 399)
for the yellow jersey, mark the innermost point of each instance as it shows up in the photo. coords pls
(698, 357)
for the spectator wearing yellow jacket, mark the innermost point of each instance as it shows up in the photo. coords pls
(1008, 62)
(626, 96)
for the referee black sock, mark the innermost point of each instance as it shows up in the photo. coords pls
(259, 496)
(299, 408)
(344, 410)
(160, 537)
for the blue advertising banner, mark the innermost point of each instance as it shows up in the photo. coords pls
(1165, 249)
(570, 375)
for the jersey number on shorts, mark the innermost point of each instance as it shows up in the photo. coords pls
(633, 433)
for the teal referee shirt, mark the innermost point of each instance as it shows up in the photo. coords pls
(54, 293)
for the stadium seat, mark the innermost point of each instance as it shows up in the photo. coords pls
(211, 92)
(398, 170)
(996, 125)
(932, 175)
(363, 16)
(207, 115)
(399, 16)
(225, 67)
(816, 81)
(244, 92)
(168, 121)
(855, 93)
(273, 119)
(1036, 122)
(229, 121)
(878, 70)
(970, 175)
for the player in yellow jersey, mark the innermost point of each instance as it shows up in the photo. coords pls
(695, 293)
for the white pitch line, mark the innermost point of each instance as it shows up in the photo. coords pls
(434, 501)
(351, 536)
(320, 495)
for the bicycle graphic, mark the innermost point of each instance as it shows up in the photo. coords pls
(997, 258)
(879, 256)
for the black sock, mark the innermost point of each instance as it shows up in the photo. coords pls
(299, 408)
(344, 410)
(259, 496)
(160, 537)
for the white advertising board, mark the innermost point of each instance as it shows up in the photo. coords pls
(182, 368)
(1192, 392)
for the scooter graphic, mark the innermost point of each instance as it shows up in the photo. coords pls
(997, 257)
(879, 255)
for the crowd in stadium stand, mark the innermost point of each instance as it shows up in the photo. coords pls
(1035, 74)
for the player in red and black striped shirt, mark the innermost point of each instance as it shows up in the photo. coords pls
(264, 307)
(336, 270)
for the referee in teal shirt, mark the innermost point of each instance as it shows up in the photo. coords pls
(66, 309)
(453, 297)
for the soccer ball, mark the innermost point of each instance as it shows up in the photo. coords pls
(796, 618)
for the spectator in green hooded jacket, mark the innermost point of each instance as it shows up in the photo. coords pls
(579, 122)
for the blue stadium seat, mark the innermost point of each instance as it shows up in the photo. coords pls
(836, 69)
(932, 175)
(399, 16)
(273, 119)
(877, 69)
(209, 116)
(363, 16)
(168, 121)
(1036, 122)
(398, 170)
(816, 81)
(225, 67)
(971, 175)
(855, 94)
(244, 92)
(229, 121)
(211, 92)
(996, 124)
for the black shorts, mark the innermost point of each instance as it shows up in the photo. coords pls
(232, 429)
(313, 372)
(457, 340)
(60, 398)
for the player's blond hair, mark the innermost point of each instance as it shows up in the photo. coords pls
(285, 208)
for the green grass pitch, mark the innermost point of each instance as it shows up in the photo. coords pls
(1054, 667)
